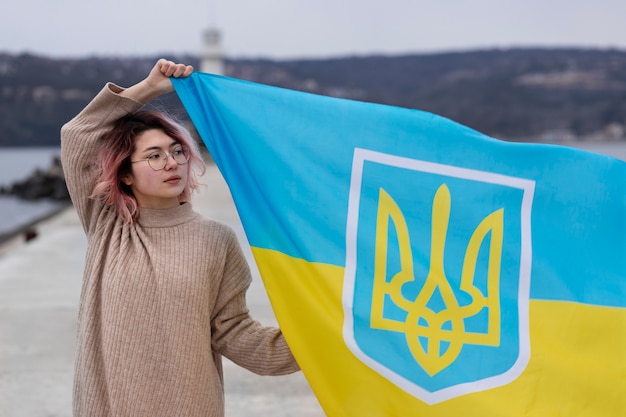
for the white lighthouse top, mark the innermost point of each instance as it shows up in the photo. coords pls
(212, 59)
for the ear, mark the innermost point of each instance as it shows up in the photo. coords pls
(127, 179)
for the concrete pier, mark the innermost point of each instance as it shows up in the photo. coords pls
(40, 283)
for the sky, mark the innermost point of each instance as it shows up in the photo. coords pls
(283, 29)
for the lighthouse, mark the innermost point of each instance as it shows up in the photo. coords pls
(212, 58)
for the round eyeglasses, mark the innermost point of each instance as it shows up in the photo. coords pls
(158, 159)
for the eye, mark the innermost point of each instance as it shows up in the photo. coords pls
(155, 156)
(177, 152)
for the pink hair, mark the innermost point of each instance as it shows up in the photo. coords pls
(113, 160)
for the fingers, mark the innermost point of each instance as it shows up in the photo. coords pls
(172, 69)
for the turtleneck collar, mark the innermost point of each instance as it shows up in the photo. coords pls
(166, 217)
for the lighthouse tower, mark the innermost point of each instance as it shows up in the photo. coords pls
(212, 58)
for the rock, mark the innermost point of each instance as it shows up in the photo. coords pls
(49, 183)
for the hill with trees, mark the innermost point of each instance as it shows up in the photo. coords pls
(513, 94)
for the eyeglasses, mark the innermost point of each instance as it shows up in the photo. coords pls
(158, 159)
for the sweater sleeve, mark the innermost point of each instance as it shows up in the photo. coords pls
(262, 350)
(79, 144)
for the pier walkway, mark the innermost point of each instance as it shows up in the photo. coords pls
(39, 292)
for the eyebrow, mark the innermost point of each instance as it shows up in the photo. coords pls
(158, 148)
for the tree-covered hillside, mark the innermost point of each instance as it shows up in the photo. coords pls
(517, 94)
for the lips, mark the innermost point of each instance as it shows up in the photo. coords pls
(174, 179)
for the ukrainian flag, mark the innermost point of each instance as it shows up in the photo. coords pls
(420, 268)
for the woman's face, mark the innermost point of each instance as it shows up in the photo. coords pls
(156, 189)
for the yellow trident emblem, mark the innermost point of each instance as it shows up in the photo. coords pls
(442, 331)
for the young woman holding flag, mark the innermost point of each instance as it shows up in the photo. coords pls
(163, 296)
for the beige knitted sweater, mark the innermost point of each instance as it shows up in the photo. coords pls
(161, 299)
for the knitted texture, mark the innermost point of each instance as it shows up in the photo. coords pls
(162, 299)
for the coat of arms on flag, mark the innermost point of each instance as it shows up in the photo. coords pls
(457, 320)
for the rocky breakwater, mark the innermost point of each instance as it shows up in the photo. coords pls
(42, 185)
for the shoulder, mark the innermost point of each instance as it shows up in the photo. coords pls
(215, 229)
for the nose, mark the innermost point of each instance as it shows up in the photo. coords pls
(170, 163)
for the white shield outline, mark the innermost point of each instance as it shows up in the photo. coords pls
(527, 187)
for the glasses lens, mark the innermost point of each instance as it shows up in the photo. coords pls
(181, 156)
(157, 161)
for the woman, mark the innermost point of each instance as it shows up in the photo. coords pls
(163, 295)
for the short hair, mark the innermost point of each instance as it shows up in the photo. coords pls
(113, 160)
